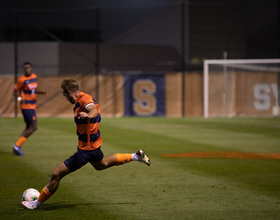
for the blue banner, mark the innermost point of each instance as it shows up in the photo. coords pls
(145, 95)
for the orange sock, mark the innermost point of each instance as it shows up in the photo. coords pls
(21, 141)
(44, 195)
(123, 158)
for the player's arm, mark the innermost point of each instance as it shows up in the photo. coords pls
(15, 93)
(92, 112)
(18, 86)
(41, 92)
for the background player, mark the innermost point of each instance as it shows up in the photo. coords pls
(87, 118)
(26, 91)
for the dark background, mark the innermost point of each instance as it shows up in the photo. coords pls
(255, 22)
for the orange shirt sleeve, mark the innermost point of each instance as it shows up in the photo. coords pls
(19, 84)
(86, 100)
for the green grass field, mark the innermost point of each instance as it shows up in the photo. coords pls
(171, 188)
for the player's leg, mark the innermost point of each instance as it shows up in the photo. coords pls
(18, 144)
(120, 159)
(73, 163)
(31, 126)
(58, 173)
(105, 162)
(31, 122)
(30, 129)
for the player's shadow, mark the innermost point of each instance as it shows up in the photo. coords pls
(49, 207)
(57, 206)
(11, 152)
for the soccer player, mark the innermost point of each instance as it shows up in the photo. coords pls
(26, 91)
(87, 118)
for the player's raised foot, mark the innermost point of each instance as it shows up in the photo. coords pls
(17, 150)
(30, 205)
(143, 157)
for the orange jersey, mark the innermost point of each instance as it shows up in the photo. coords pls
(87, 129)
(27, 86)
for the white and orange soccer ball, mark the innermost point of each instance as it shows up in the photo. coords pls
(30, 195)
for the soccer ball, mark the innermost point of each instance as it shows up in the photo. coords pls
(30, 195)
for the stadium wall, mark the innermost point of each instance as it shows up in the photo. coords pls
(147, 95)
(112, 95)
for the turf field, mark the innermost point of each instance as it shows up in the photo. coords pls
(173, 187)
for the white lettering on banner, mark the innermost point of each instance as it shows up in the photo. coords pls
(275, 90)
(34, 86)
(262, 95)
(143, 93)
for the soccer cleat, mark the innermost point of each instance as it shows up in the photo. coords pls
(30, 205)
(143, 157)
(17, 150)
